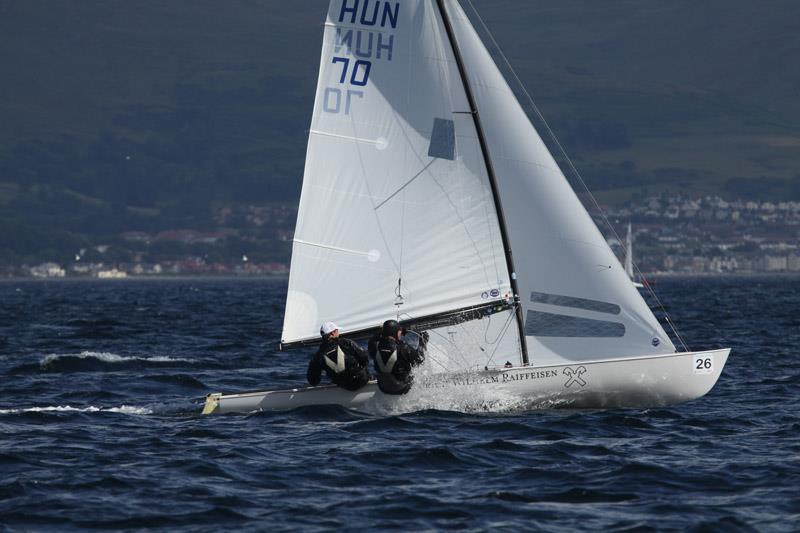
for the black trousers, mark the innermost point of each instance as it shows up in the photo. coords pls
(389, 384)
(354, 381)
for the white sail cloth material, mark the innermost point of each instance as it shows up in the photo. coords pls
(578, 302)
(396, 206)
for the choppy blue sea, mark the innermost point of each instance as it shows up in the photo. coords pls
(100, 427)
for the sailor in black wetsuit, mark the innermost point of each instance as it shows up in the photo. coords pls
(345, 362)
(394, 359)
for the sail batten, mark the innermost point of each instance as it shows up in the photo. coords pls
(346, 137)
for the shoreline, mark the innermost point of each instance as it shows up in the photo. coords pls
(721, 275)
(177, 277)
(285, 277)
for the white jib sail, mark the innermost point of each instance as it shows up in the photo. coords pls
(396, 207)
(578, 301)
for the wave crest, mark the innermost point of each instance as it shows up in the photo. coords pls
(89, 361)
(123, 409)
(108, 357)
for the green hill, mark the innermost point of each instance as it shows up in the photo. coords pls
(687, 96)
(146, 115)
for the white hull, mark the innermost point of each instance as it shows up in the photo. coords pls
(639, 382)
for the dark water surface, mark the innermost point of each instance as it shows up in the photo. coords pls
(99, 426)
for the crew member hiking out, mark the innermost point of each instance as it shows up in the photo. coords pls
(394, 359)
(345, 362)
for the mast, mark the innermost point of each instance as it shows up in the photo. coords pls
(492, 178)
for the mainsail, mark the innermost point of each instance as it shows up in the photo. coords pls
(398, 216)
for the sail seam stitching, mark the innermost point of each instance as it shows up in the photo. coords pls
(330, 247)
(347, 137)
(406, 184)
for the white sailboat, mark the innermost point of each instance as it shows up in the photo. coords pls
(629, 259)
(422, 174)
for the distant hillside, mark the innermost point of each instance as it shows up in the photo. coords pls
(679, 95)
(146, 115)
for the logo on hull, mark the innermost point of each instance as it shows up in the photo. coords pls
(574, 376)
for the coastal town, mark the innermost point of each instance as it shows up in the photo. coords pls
(671, 235)
(710, 235)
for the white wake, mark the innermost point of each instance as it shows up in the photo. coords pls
(109, 357)
(123, 409)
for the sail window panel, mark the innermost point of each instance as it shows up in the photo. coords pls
(541, 324)
(577, 303)
(443, 139)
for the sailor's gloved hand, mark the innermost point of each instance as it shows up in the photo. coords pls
(423, 339)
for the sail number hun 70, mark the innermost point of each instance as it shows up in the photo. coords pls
(336, 100)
